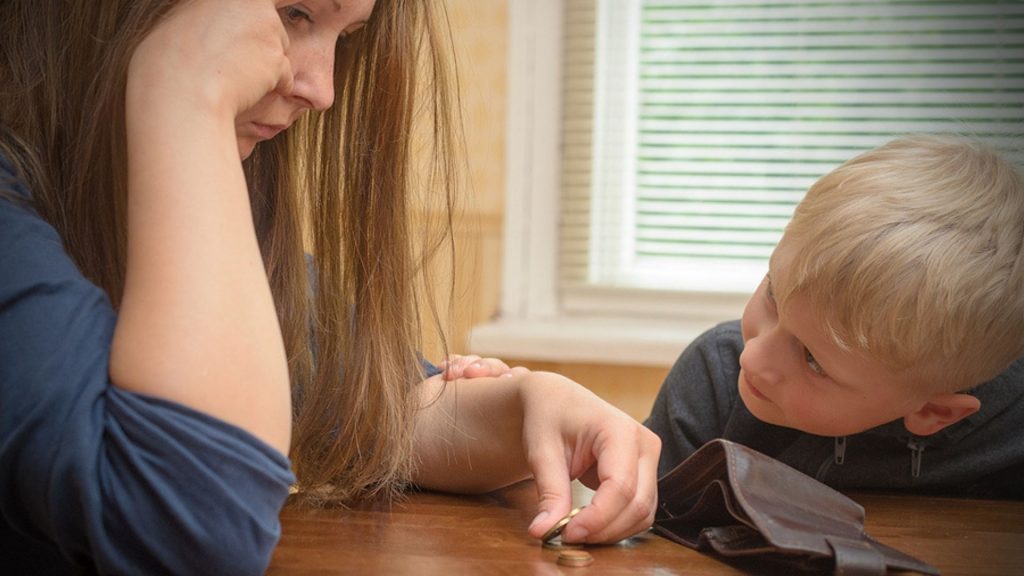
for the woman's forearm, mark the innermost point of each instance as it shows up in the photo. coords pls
(197, 323)
(484, 433)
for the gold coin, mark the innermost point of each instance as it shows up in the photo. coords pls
(559, 526)
(575, 558)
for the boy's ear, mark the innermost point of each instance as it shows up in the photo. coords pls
(939, 412)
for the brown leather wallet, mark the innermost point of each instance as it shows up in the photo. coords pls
(738, 503)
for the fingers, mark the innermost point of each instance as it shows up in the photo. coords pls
(569, 432)
(286, 78)
(626, 497)
(455, 365)
(485, 367)
(554, 491)
(473, 366)
(235, 52)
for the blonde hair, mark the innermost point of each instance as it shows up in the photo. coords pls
(346, 172)
(913, 254)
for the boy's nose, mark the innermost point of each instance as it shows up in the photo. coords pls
(760, 361)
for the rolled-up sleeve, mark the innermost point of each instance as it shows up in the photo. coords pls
(115, 481)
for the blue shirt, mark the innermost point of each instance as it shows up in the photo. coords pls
(97, 479)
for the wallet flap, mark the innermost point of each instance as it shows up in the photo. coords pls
(792, 510)
(857, 557)
(897, 560)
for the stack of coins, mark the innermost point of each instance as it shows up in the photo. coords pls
(571, 555)
(575, 558)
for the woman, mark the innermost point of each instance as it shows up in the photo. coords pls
(160, 352)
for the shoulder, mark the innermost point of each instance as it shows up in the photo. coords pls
(18, 218)
(714, 354)
(12, 186)
(32, 252)
(725, 339)
(1014, 375)
(995, 427)
(1002, 399)
(698, 396)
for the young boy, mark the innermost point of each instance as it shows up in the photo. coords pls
(883, 348)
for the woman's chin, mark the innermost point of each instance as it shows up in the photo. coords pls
(245, 148)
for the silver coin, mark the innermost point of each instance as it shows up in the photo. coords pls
(557, 544)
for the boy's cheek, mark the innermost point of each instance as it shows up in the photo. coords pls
(802, 417)
(762, 409)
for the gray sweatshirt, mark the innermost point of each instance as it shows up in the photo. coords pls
(980, 456)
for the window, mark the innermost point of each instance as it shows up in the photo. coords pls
(668, 146)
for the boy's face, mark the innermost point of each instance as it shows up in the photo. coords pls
(793, 374)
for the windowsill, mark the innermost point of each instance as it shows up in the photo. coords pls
(591, 340)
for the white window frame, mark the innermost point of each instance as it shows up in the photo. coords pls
(598, 325)
(539, 319)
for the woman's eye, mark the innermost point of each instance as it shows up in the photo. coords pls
(813, 364)
(294, 15)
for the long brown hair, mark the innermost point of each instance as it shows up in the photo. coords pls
(340, 185)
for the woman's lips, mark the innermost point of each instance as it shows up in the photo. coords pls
(267, 131)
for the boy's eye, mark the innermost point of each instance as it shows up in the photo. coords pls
(768, 290)
(813, 364)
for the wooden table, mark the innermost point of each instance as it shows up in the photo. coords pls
(454, 535)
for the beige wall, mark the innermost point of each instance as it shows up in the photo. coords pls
(479, 34)
(480, 30)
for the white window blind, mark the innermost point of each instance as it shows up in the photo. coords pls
(692, 128)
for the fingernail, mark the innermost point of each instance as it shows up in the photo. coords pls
(538, 519)
(476, 365)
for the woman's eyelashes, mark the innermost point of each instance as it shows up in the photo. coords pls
(300, 18)
(295, 15)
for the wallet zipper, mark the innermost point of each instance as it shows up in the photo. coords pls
(838, 456)
(840, 449)
(916, 450)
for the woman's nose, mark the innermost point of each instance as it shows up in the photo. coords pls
(314, 78)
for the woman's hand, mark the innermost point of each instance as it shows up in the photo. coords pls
(477, 435)
(221, 54)
(569, 433)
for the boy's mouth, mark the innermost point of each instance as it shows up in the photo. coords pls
(753, 389)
